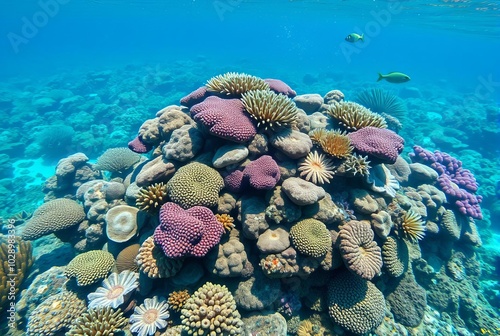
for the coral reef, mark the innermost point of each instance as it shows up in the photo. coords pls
(149, 317)
(90, 267)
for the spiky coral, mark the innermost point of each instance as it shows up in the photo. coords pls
(336, 144)
(176, 299)
(152, 197)
(316, 168)
(269, 109)
(97, 322)
(226, 220)
(235, 84)
(382, 101)
(412, 226)
(357, 165)
(354, 116)
(317, 134)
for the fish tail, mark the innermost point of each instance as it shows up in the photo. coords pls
(362, 37)
(380, 77)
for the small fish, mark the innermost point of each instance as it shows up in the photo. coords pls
(394, 77)
(353, 37)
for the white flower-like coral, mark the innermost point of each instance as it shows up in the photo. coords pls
(150, 316)
(114, 290)
(316, 168)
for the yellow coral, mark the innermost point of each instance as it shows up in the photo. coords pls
(176, 299)
(235, 84)
(412, 226)
(336, 144)
(226, 220)
(152, 197)
(316, 168)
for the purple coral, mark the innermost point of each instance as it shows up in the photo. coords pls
(289, 305)
(195, 97)
(378, 143)
(279, 86)
(260, 174)
(139, 146)
(225, 118)
(456, 182)
(191, 232)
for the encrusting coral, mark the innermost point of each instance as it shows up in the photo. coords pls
(152, 197)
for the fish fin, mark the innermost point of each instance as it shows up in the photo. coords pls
(380, 77)
(362, 37)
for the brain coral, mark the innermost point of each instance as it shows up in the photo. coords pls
(96, 322)
(360, 252)
(211, 310)
(90, 267)
(55, 314)
(53, 216)
(117, 160)
(235, 84)
(396, 256)
(191, 232)
(195, 184)
(270, 109)
(355, 303)
(121, 223)
(311, 237)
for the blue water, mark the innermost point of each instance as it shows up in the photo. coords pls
(450, 50)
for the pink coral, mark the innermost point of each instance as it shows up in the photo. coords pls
(225, 118)
(191, 232)
(279, 86)
(379, 144)
(260, 174)
(195, 97)
(139, 146)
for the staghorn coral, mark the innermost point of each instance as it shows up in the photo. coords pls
(90, 267)
(195, 184)
(55, 315)
(177, 299)
(53, 216)
(114, 291)
(99, 322)
(226, 220)
(269, 109)
(211, 310)
(151, 198)
(154, 263)
(355, 303)
(235, 84)
(336, 144)
(16, 257)
(360, 252)
(149, 317)
(396, 256)
(354, 116)
(382, 101)
(411, 226)
(311, 237)
(117, 160)
(316, 168)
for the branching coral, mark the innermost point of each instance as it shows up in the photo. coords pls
(235, 84)
(353, 116)
(226, 220)
(176, 299)
(316, 168)
(152, 197)
(271, 110)
(357, 164)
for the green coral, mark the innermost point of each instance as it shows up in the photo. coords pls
(195, 184)
(103, 321)
(311, 237)
(90, 267)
